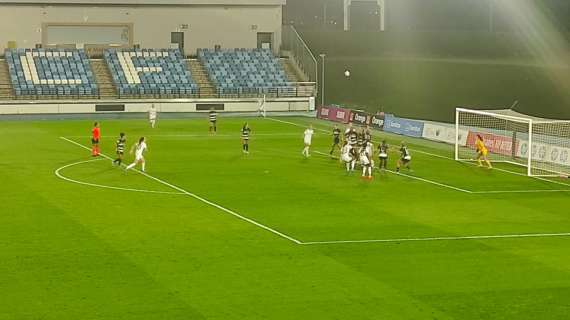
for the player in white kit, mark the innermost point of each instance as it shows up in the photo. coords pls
(366, 163)
(152, 116)
(308, 137)
(139, 149)
(347, 156)
(369, 148)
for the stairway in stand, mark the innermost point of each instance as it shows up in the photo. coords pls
(290, 71)
(6, 90)
(200, 76)
(104, 79)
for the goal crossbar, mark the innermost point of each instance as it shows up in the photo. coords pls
(541, 145)
(491, 114)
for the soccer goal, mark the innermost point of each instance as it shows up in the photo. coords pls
(541, 145)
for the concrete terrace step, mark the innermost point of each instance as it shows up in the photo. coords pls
(104, 79)
(6, 89)
(292, 75)
(200, 76)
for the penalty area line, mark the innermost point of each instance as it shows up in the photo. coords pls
(457, 238)
(414, 177)
(521, 191)
(446, 158)
(429, 181)
(202, 135)
(210, 203)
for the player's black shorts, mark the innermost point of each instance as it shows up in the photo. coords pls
(336, 140)
(94, 141)
(404, 160)
(120, 153)
(213, 122)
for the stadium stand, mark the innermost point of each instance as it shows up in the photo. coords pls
(246, 72)
(158, 73)
(38, 74)
(6, 90)
(51, 73)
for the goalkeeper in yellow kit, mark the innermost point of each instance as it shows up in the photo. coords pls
(482, 152)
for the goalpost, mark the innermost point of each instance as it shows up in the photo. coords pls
(541, 145)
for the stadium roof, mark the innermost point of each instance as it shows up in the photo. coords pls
(148, 2)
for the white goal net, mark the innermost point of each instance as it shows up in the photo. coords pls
(541, 145)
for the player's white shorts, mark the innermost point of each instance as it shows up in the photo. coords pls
(383, 156)
(364, 161)
(408, 158)
(139, 157)
(307, 142)
(346, 158)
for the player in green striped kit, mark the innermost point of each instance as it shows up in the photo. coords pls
(120, 149)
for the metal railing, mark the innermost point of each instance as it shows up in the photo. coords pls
(158, 93)
(57, 93)
(302, 55)
(294, 90)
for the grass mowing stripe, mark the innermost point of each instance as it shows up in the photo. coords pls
(495, 168)
(237, 215)
(412, 177)
(460, 189)
(339, 241)
(441, 156)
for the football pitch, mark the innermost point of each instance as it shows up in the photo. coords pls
(210, 233)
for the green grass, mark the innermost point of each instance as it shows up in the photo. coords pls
(72, 251)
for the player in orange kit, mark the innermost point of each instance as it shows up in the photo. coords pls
(96, 136)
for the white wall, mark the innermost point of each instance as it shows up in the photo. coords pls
(282, 105)
(154, 2)
(229, 26)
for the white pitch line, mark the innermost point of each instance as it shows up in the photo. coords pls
(484, 237)
(557, 182)
(61, 176)
(217, 206)
(293, 123)
(521, 191)
(521, 174)
(415, 178)
(464, 190)
(202, 135)
(430, 181)
(496, 169)
(445, 157)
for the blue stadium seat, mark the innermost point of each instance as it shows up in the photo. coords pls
(150, 72)
(40, 72)
(251, 71)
